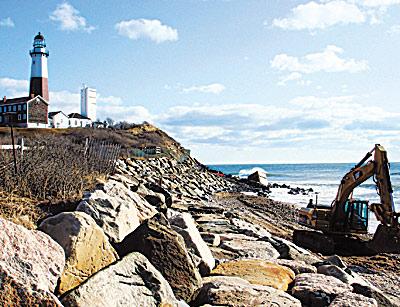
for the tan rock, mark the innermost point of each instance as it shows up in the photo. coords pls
(237, 292)
(86, 247)
(258, 272)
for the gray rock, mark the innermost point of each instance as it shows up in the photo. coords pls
(132, 281)
(297, 266)
(86, 247)
(30, 265)
(259, 176)
(373, 292)
(235, 291)
(184, 224)
(349, 299)
(336, 260)
(251, 249)
(249, 228)
(318, 289)
(116, 209)
(289, 250)
(166, 250)
(335, 271)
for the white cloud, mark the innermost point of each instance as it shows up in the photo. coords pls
(214, 88)
(65, 101)
(146, 28)
(291, 77)
(7, 22)
(376, 3)
(314, 15)
(70, 19)
(327, 61)
(317, 15)
(395, 29)
(14, 84)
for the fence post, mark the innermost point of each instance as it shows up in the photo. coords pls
(13, 148)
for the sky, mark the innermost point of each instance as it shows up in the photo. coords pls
(236, 81)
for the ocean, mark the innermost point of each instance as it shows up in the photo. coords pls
(323, 178)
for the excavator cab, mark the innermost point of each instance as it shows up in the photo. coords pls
(356, 212)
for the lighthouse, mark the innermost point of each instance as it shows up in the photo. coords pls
(39, 84)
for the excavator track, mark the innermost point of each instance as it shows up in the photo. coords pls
(314, 241)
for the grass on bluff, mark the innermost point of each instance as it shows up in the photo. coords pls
(53, 174)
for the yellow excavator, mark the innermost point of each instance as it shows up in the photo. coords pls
(345, 217)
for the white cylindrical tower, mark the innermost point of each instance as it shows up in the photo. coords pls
(39, 84)
(88, 102)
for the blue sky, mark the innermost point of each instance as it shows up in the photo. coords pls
(237, 81)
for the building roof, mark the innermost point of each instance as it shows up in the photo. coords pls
(52, 114)
(77, 115)
(15, 100)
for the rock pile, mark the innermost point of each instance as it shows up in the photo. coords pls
(154, 235)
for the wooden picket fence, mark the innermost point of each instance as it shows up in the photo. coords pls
(55, 167)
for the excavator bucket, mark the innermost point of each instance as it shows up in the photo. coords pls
(386, 240)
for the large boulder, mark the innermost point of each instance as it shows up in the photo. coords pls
(259, 177)
(235, 291)
(314, 289)
(166, 250)
(289, 250)
(349, 299)
(116, 209)
(250, 229)
(30, 265)
(373, 292)
(297, 266)
(335, 271)
(258, 272)
(184, 224)
(251, 249)
(132, 281)
(86, 247)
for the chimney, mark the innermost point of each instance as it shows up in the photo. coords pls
(4, 99)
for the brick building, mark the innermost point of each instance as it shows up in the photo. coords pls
(30, 111)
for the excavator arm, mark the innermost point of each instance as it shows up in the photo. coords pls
(378, 168)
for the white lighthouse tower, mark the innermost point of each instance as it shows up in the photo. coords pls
(39, 84)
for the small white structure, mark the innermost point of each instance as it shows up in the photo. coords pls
(58, 119)
(78, 120)
(88, 102)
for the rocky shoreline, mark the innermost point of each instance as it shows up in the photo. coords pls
(165, 233)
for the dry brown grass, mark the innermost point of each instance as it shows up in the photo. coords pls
(20, 210)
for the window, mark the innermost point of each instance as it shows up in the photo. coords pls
(9, 108)
(19, 116)
(19, 107)
(14, 108)
(24, 107)
(5, 109)
(23, 116)
(76, 122)
(1, 119)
